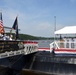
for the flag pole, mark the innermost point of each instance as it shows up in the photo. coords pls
(54, 27)
(17, 28)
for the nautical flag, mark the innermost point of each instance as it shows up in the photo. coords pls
(15, 27)
(1, 24)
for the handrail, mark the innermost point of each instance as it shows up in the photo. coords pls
(54, 44)
(63, 44)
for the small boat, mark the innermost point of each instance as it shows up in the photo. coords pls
(66, 44)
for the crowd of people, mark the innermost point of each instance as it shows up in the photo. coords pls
(6, 37)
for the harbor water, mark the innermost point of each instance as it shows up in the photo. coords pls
(44, 43)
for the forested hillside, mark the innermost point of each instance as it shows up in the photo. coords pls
(30, 37)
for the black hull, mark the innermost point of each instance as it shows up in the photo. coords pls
(13, 65)
(44, 62)
(40, 63)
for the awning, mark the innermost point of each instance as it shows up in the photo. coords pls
(67, 30)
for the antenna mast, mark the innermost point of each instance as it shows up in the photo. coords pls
(54, 27)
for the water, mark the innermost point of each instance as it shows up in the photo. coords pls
(43, 43)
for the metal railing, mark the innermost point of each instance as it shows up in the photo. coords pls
(63, 44)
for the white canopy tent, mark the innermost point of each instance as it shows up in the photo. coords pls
(67, 30)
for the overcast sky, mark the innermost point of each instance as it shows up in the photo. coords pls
(36, 17)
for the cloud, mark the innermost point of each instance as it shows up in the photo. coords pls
(72, 1)
(40, 29)
(43, 26)
(35, 17)
(9, 16)
(29, 24)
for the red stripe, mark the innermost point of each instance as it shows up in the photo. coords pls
(30, 42)
(68, 50)
(1, 23)
(44, 49)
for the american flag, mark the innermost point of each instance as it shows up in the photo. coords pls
(1, 24)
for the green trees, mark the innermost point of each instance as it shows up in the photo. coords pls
(30, 37)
